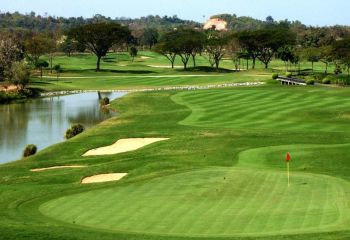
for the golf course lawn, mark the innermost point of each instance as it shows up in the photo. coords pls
(212, 202)
(220, 174)
(150, 70)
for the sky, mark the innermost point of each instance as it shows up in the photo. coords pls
(310, 12)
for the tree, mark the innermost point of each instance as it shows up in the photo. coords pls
(326, 56)
(150, 37)
(249, 44)
(99, 37)
(341, 54)
(312, 55)
(37, 46)
(216, 46)
(58, 70)
(41, 64)
(133, 52)
(188, 43)
(288, 55)
(19, 75)
(10, 52)
(167, 47)
(67, 46)
(270, 40)
(52, 49)
(234, 49)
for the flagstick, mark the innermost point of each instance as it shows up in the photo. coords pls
(288, 173)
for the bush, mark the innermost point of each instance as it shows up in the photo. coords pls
(29, 150)
(74, 131)
(275, 76)
(289, 74)
(310, 82)
(326, 81)
(104, 101)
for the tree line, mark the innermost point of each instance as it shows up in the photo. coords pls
(274, 40)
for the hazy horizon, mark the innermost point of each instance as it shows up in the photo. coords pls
(310, 12)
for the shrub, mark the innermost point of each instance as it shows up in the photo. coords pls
(104, 101)
(74, 131)
(326, 81)
(289, 74)
(29, 150)
(310, 82)
(275, 76)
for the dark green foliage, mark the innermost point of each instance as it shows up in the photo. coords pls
(68, 46)
(37, 46)
(29, 150)
(104, 101)
(182, 42)
(133, 52)
(149, 37)
(74, 131)
(41, 64)
(310, 82)
(58, 70)
(99, 37)
(264, 44)
(275, 76)
(326, 81)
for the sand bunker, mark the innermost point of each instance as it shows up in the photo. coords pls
(123, 145)
(56, 167)
(104, 178)
(145, 57)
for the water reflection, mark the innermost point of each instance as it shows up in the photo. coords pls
(43, 122)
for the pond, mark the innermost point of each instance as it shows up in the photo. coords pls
(44, 121)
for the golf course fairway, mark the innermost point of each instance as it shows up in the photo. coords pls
(221, 173)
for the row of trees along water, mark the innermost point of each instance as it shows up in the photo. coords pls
(21, 51)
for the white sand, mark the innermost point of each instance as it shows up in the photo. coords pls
(123, 145)
(145, 57)
(56, 167)
(104, 178)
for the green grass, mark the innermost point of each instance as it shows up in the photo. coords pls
(215, 176)
(221, 174)
(149, 70)
(212, 202)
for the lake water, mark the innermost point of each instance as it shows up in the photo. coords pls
(44, 121)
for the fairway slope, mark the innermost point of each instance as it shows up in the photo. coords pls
(212, 202)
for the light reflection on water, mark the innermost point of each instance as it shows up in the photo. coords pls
(44, 121)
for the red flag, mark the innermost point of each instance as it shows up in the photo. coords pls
(288, 157)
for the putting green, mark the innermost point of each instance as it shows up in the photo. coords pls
(212, 202)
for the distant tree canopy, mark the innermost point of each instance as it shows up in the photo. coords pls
(182, 42)
(263, 44)
(149, 37)
(215, 46)
(100, 37)
(37, 46)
